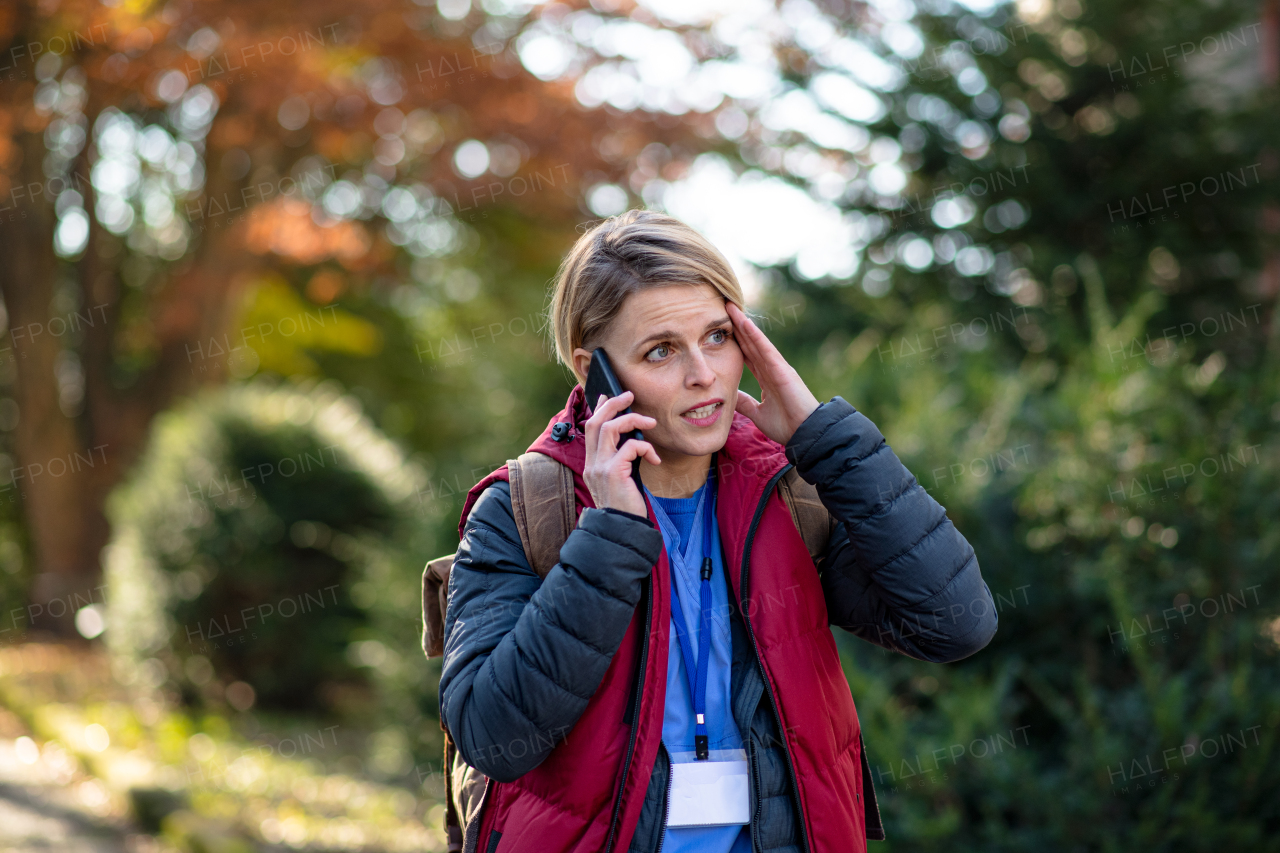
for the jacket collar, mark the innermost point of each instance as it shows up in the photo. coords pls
(747, 461)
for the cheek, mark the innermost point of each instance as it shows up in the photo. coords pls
(730, 366)
(653, 395)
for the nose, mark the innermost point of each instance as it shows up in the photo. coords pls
(699, 373)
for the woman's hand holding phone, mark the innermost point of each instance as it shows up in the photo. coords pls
(608, 467)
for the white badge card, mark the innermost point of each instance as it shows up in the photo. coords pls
(709, 793)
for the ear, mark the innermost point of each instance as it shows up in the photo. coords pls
(581, 364)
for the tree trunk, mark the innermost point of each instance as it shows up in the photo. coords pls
(67, 466)
(47, 444)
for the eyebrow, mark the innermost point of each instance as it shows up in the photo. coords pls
(669, 333)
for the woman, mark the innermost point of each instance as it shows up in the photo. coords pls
(578, 694)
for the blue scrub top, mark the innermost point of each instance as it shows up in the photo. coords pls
(682, 529)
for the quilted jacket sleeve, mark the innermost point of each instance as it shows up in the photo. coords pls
(896, 571)
(524, 655)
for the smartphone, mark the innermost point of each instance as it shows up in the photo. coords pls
(602, 380)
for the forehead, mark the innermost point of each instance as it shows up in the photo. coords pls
(684, 307)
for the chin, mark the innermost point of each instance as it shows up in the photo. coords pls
(701, 444)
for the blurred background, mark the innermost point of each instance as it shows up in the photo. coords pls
(274, 281)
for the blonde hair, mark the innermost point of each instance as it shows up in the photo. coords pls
(619, 256)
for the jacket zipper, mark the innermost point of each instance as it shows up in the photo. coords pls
(755, 783)
(635, 711)
(644, 655)
(746, 565)
(666, 795)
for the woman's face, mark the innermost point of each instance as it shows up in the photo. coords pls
(673, 347)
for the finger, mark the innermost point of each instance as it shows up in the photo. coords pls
(612, 429)
(749, 361)
(767, 363)
(611, 441)
(591, 429)
(763, 378)
(746, 325)
(628, 422)
(762, 349)
(743, 335)
(606, 404)
(620, 402)
(606, 408)
(747, 404)
(764, 355)
(741, 327)
(632, 448)
(735, 313)
(749, 337)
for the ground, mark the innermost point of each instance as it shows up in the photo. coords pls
(89, 767)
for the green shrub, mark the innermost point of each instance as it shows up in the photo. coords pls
(1131, 693)
(246, 545)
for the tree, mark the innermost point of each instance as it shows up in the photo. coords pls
(163, 162)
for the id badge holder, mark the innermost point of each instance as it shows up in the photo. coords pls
(714, 792)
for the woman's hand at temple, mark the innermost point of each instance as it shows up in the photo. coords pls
(608, 467)
(785, 401)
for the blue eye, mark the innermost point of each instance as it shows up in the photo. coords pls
(662, 347)
(723, 333)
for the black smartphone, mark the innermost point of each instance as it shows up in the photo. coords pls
(602, 380)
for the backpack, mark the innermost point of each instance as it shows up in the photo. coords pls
(542, 489)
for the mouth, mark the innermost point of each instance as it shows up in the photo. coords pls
(705, 414)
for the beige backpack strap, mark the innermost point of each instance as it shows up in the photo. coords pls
(543, 502)
(541, 493)
(810, 516)
(435, 598)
